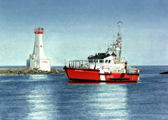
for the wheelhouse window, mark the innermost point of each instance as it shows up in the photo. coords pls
(91, 60)
(109, 61)
(96, 60)
(106, 61)
(101, 61)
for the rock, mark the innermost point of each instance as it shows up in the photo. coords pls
(53, 70)
(164, 72)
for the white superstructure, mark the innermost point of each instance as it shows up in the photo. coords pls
(38, 59)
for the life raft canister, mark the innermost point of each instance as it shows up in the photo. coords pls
(137, 71)
(116, 61)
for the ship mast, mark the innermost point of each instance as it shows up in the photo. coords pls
(117, 46)
(119, 38)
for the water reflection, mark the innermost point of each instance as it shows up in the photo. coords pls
(98, 83)
(38, 77)
(89, 101)
(111, 103)
(40, 100)
(50, 98)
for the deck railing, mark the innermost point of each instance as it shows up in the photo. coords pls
(78, 64)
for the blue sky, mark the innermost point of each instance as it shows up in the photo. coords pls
(75, 29)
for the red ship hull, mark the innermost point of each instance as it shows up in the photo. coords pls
(96, 75)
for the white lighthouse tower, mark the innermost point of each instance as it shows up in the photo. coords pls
(38, 59)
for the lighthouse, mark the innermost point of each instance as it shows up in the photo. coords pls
(38, 59)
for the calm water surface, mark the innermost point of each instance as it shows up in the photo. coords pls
(52, 97)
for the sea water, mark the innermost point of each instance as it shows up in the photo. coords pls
(53, 97)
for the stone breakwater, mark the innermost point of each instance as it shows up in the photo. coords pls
(16, 72)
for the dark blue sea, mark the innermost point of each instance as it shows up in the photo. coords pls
(52, 97)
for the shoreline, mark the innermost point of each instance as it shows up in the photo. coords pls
(23, 72)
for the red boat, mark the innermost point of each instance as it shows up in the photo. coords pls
(103, 67)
